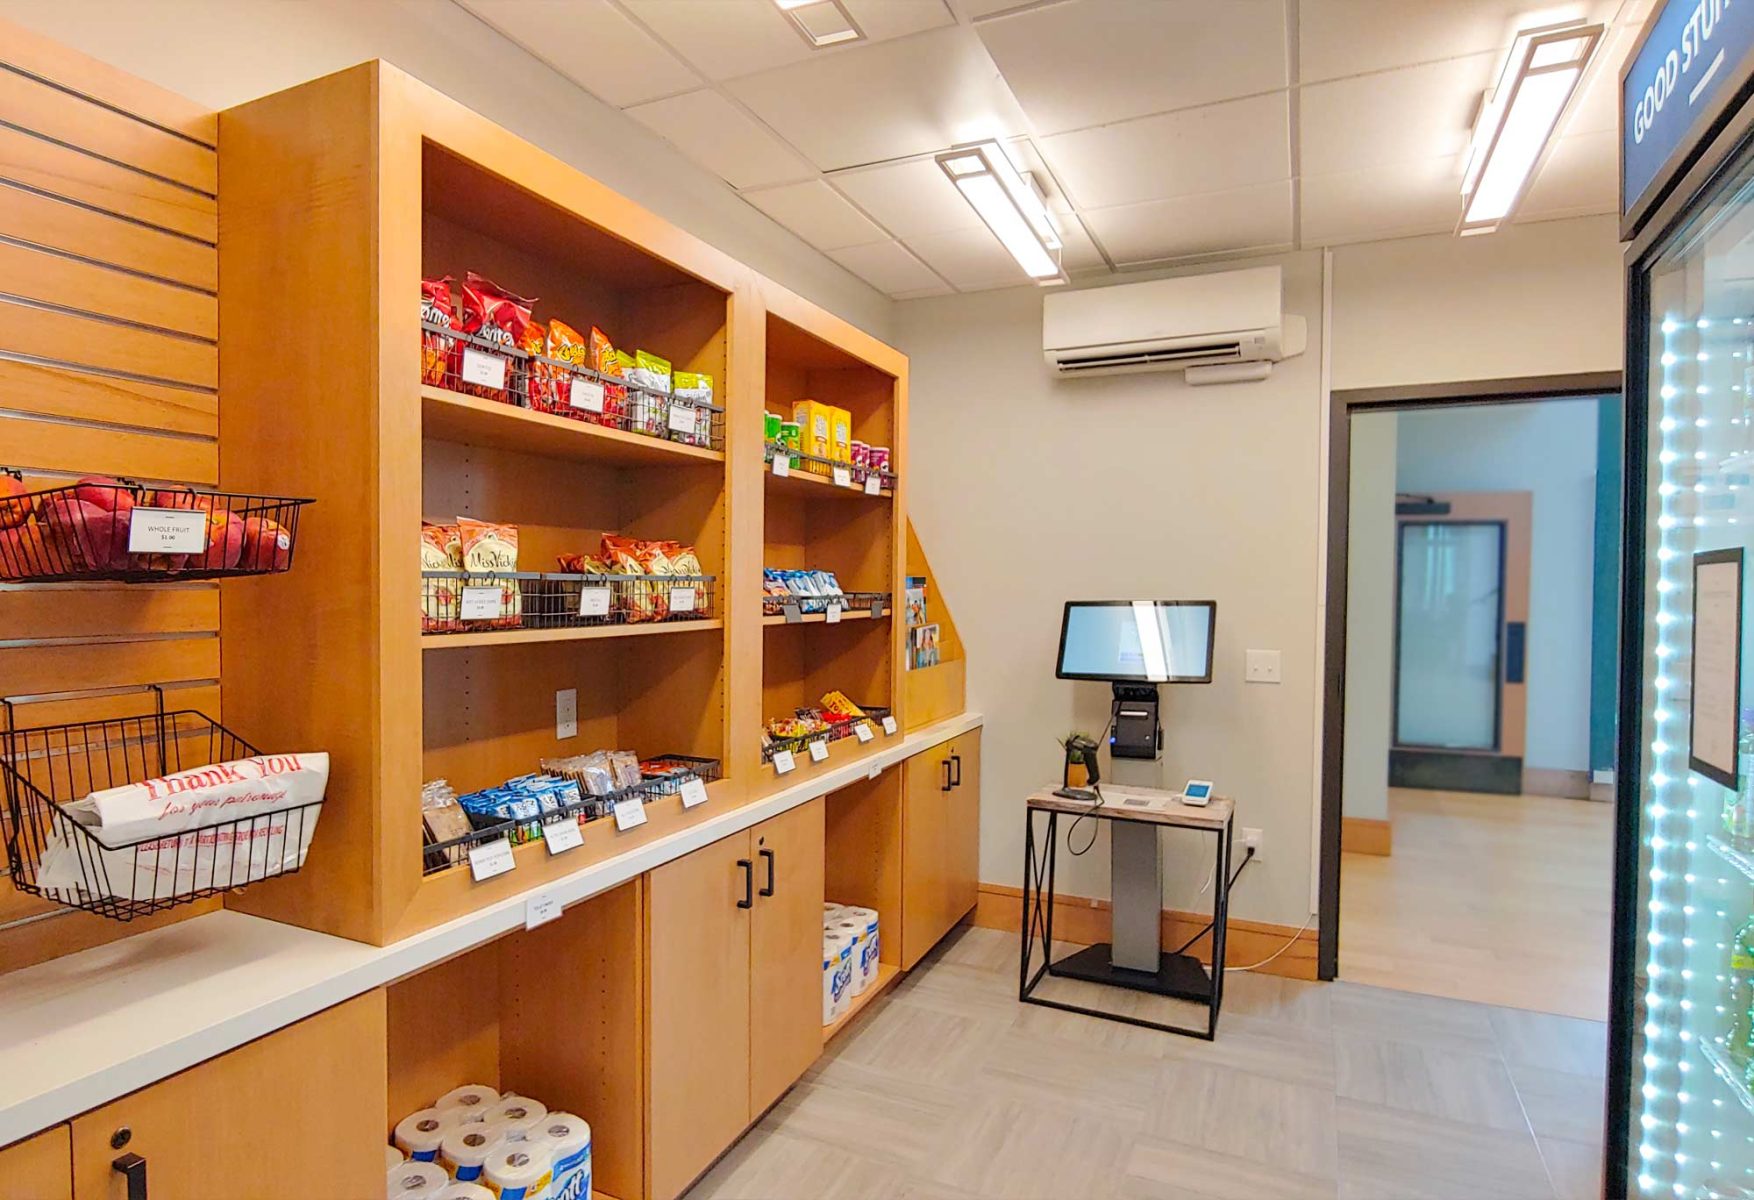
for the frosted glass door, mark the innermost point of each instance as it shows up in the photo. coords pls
(1450, 609)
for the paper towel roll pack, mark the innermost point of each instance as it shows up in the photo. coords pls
(837, 974)
(569, 1138)
(419, 1133)
(476, 1144)
(855, 934)
(519, 1170)
(415, 1181)
(466, 1147)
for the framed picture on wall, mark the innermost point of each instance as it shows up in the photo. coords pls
(1714, 712)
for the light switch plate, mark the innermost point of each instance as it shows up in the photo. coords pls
(566, 713)
(1263, 666)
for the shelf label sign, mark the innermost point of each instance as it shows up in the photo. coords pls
(888, 726)
(630, 814)
(873, 485)
(819, 750)
(782, 465)
(167, 531)
(831, 614)
(483, 370)
(794, 614)
(587, 395)
(843, 477)
(693, 793)
(483, 603)
(862, 731)
(563, 835)
(682, 418)
(594, 602)
(681, 599)
(543, 908)
(783, 762)
(495, 858)
(1693, 53)
(877, 608)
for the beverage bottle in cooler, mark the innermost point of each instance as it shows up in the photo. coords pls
(1739, 1041)
(1739, 808)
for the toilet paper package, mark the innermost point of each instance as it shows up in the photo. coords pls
(569, 1137)
(867, 917)
(473, 1098)
(519, 1170)
(419, 1133)
(516, 1116)
(837, 975)
(414, 1181)
(855, 932)
(464, 1191)
(465, 1148)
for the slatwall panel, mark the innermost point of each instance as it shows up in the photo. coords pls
(109, 315)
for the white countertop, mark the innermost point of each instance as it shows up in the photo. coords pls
(82, 1030)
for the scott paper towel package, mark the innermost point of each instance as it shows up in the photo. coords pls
(471, 1097)
(869, 944)
(415, 1181)
(569, 1137)
(837, 974)
(855, 933)
(519, 1170)
(465, 1147)
(419, 1133)
(464, 1191)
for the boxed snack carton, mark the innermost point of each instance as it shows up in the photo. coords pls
(816, 431)
(840, 435)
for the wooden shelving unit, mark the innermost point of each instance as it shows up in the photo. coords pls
(886, 975)
(821, 485)
(473, 421)
(512, 637)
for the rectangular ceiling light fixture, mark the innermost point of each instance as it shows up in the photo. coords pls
(821, 22)
(1518, 118)
(1009, 204)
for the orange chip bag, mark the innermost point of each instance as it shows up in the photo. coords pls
(540, 378)
(438, 353)
(565, 345)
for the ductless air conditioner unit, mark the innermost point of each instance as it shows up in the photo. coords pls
(1224, 320)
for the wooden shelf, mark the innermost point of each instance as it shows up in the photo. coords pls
(847, 614)
(886, 975)
(818, 485)
(471, 420)
(507, 637)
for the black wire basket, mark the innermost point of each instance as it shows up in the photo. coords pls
(838, 731)
(53, 855)
(101, 530)
(474, 602)
(796, 607)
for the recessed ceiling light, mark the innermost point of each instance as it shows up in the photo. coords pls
(821, 22)
(1009, 205)
(1518, 120)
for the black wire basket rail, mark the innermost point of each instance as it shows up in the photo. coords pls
(122, 531)
(795, 607)
(815, 464)
(53, 855)
(548, 385)
(676, 770)
(473, 602)
(837, 731)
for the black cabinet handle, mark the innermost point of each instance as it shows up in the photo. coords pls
(768, 890)
(748, 900)
(956, 761)
(132, 1168)
(947, 784)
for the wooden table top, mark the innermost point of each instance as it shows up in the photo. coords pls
(1151, 805)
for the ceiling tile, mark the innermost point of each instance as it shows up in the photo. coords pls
(817, 213)
(909, 198)
(888, 267)
(728, 38)
(1214, 148)
(1580, 177)
(969, 258)
(974, 10)
(1396, 116)
(722, 138)
(1090, 61)
(1080, 253)
(626, 64)
(889, 100)
(1349, 37)
(1397, 200)
(1257, 217)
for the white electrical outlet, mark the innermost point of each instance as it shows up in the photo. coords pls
(566, 713)
(1251, 840)
(1262, 666)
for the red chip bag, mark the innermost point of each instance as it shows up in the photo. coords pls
(438, 353)
(500, 317)
(541, 380)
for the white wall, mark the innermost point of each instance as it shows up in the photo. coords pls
(1028, 491)
(223, 52)
(1370, 615)
(1548, 449)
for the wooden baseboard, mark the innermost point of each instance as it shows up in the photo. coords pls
(1554, 781)
(1366, 835)
(1085, 921)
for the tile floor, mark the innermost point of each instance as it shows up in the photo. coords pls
(948, 1089)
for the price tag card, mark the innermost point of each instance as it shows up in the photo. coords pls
(783, 762)
(843, 477)
(483, 603)
(630, 814)
(877, 608)
(794, 614)
(167, 531)
(782, 465)
(594, 602)
(681, 599)
(862, 731)
(819, 750)
(563, 835)
(876, 770)
(832, 613)
(495, 858)
(693, 793)
(586, 394)
(888, 726)
(483, 370)
(873, 485)
(682, 418)
(542, 909)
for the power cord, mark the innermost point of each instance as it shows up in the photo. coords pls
(1085, 816)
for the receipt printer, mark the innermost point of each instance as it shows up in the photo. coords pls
(1135, 731)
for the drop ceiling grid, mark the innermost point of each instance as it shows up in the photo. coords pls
(1304, 122)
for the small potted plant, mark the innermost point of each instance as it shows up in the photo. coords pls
(1080, 751)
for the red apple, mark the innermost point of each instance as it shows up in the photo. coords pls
(225, 542)
(267, 545)
(110, 494)
(14, 510)
(69, 525)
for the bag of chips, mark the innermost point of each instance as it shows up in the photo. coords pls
(439, 598)
(493, 549)
(492, 313)
(438, 353)
(541, 381)
(566, 346)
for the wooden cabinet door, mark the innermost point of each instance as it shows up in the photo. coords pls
(927, 852)
(39, 1167)
(697, 962)
(962, 875)
(785, 952)
(268, 1120)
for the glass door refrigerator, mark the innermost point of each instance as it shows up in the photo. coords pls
(1681, 1071)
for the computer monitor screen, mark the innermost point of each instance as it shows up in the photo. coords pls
(1137, 641)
